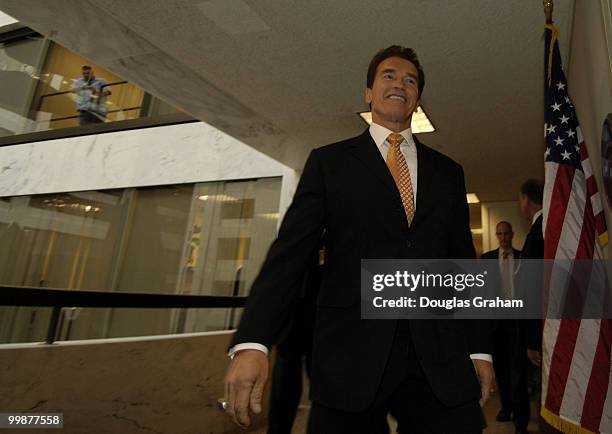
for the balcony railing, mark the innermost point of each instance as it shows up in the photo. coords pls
(59, 298)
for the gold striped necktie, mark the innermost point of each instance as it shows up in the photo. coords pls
(401, 174)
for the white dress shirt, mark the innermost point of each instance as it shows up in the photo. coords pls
(408, 148)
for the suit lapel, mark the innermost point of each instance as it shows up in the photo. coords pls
(425, 173)
(368, 153)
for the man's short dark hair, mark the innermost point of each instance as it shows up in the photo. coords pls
(86, 68)
(395, 51)
(534, 190)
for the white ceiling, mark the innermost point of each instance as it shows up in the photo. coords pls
(286, 76)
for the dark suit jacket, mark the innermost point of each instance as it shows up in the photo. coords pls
(347, 189)
(533, 248)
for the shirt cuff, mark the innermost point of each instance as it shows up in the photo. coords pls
(479, 356)
(246, 346)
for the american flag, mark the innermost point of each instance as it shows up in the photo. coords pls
(576, 370)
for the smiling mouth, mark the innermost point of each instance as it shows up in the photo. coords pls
(397, 98)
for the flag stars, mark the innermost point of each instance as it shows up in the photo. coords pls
(551, 129)
(567, 100)
(566, 155)
(559, 141)
(547, 153)
(577, 148)
(571, 133)
(560, 85)
(556, 107)
(564, 119)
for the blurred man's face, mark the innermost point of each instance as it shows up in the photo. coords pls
(504, 235)
(87, 73)
(394, 95)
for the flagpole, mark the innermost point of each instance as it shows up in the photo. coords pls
(548, 10)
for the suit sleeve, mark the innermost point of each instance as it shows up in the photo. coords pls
(278, 283)
(479, 332)
(533, 249)
(462, 246)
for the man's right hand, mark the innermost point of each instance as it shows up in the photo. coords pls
(244, 385)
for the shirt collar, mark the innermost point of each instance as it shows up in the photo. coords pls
(510, 252)
(380, 134)
(535, 216)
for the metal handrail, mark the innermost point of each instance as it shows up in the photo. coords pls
(109, 112)
(36, 296)
(59, 298)
(63, 92)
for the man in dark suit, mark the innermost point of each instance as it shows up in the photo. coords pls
(507, 256)
(528, 344)
(532, 192)
(292, 351)
(514, 403)
(382, 194)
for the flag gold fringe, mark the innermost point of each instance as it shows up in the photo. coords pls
(562, 425)
(603, 239)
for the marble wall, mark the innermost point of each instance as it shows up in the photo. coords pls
(184, 153)
(174, 382)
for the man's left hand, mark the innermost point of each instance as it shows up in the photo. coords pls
(486, 378)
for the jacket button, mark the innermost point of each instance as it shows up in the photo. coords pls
(408, 243)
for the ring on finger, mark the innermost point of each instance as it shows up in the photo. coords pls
(222, 404)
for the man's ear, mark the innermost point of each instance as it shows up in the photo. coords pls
(368, 95)
(418, 104)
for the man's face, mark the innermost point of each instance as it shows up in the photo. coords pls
(87, 73)
(504, 235)
(394, 95)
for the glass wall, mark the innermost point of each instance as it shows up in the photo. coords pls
(43, 87)
(208, 238)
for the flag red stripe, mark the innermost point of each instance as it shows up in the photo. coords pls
(598, 382)
(561, 360)
(597, 388)
(560, 363)
(591, 186)
(583, 151)
(562, 189)
(586, 243)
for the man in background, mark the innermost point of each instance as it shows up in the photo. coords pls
(514, 403)
(529, 344)
(530, 201)
(293, 352)
(91, 94)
